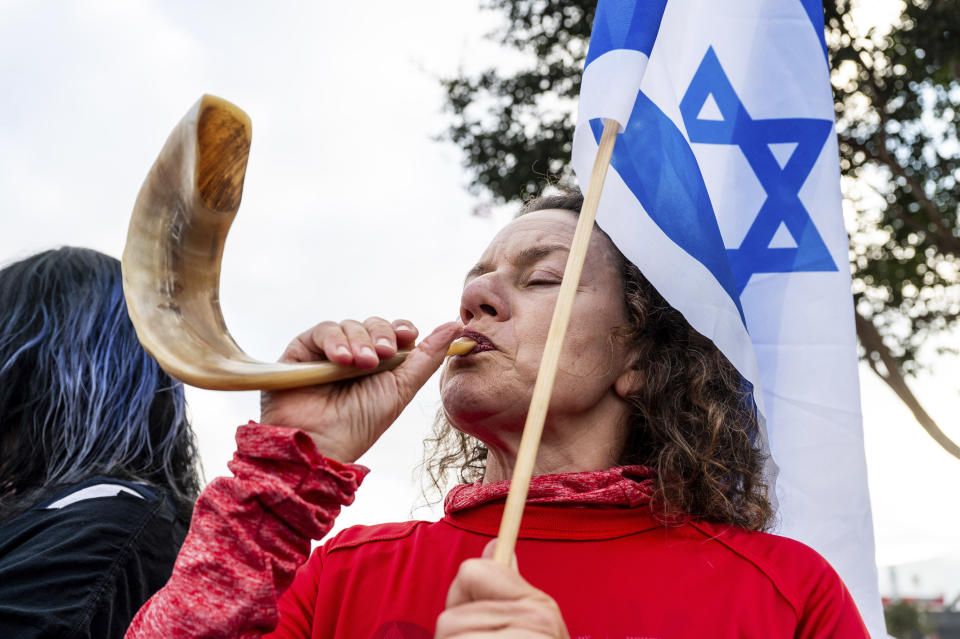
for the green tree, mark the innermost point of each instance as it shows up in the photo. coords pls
(905, 620)
(897, 98)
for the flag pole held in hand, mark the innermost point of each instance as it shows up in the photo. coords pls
(533, 428)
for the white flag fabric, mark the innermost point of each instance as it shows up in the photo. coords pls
(724, 189)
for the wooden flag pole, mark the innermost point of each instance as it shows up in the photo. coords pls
(533, 428)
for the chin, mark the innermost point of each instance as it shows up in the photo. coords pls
(462, 402)
(484, 413)
(482, 426)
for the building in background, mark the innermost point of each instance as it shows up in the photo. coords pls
(921, 600)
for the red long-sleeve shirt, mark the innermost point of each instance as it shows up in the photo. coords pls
(587, 539)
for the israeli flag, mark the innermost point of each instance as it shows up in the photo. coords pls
(724, 189)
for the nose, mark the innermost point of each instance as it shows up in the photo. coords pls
(482, 297)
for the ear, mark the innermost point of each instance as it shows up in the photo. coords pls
(629, 381)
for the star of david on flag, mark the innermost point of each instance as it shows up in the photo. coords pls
(724, 189)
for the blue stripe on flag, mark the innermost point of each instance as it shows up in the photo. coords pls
(814, 9)
(625, 24)
(659, 167)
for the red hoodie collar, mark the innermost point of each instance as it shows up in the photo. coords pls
(625, 486)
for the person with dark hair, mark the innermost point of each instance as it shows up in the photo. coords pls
(645, 519)
(98, 463)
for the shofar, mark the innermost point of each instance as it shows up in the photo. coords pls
(171, 261)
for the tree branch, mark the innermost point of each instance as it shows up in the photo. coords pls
(932, 211)
(945, 240)
(872, 342)
(882, 155)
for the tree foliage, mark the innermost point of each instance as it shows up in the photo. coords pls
(905, 620)
(897, 102)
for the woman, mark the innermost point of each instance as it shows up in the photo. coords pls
(641, 522)
(97, 461)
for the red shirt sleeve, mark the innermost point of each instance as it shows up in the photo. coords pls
(830, 611)
(248, 536)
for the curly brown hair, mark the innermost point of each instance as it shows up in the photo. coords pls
(692, 419)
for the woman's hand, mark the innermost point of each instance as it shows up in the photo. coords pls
(490, 600)
(346, 418)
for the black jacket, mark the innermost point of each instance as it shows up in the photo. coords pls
(81, 563)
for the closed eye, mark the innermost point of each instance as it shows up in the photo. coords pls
(542, 279)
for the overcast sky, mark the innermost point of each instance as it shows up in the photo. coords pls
(350, 207)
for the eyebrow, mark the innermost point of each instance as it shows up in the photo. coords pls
(524, 258)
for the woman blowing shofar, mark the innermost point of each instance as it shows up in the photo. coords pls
(644, 519)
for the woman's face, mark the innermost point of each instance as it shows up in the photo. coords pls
(507, 304)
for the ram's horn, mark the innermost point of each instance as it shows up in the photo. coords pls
(171, 262)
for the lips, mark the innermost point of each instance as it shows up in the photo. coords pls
(483, 342)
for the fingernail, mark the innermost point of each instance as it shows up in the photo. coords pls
(404, 327)
(367, 351)
(343, 351)
(383, 341)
